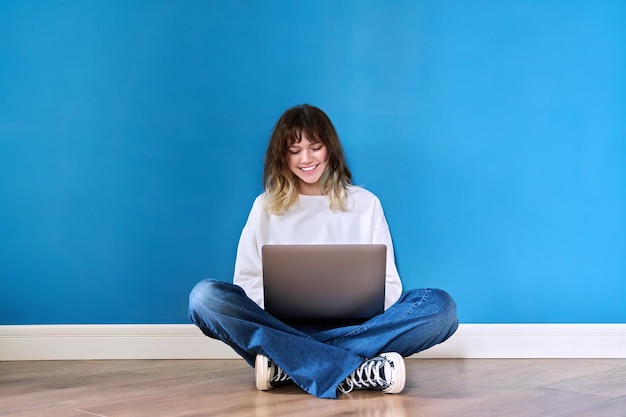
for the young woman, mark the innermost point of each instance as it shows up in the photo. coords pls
(309, 199)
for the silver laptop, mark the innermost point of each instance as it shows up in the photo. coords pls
(324, 282)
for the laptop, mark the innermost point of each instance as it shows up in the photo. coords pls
(342, 283)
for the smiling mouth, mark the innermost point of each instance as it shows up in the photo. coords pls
(309, 169)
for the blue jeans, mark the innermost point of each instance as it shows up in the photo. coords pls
(319, 359)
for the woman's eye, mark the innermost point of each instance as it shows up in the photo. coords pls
(294, 152)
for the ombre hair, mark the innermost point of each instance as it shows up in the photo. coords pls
(280, 184)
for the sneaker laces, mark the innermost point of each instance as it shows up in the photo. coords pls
(370, 375)
(279, 375)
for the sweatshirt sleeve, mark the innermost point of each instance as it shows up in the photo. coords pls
(393, 287)
(248, 268)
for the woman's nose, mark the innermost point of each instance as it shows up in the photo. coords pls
(305, 156)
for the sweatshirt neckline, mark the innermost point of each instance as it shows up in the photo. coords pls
(307, 197)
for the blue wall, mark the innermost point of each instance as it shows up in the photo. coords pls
(132, 136)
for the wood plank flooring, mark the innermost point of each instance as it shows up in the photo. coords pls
(435, 387)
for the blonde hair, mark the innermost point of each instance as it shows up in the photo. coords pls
(281, 185)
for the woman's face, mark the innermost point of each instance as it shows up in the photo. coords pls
(308, 161)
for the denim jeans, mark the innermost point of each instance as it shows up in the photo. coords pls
(318, 359)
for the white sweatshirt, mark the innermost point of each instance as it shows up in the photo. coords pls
(311, 221)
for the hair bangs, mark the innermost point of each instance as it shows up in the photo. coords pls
(296, 134)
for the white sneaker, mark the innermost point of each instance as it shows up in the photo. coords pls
(268, 374)
(384, 373)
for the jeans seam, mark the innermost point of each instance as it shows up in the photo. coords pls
(425, 297)
(356, 331)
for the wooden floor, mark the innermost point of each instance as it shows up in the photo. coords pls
(435, 387)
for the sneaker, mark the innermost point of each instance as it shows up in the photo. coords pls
(384, 373)
(268, 374)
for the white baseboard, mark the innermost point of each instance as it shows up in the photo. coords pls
(185, 341)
